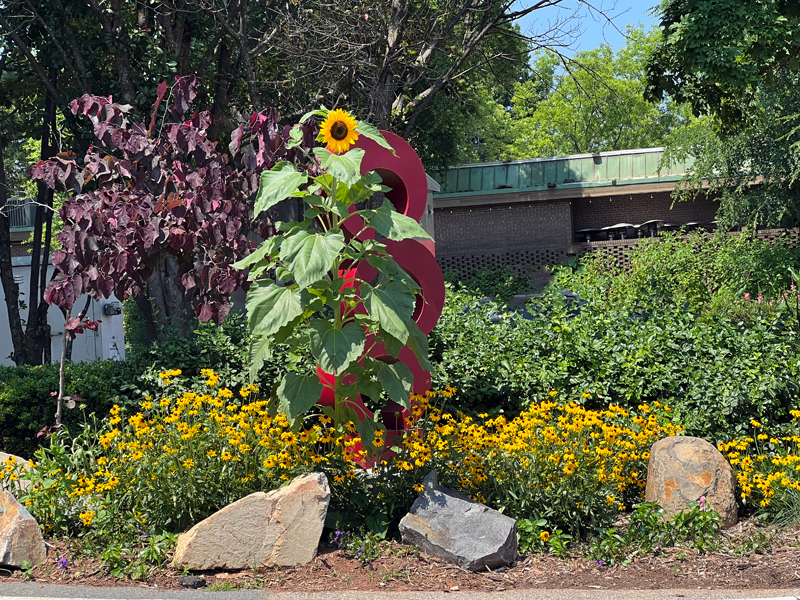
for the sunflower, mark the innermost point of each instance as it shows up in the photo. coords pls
(339, 131)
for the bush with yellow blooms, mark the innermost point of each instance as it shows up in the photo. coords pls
(176, 458)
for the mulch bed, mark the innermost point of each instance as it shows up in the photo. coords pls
(400, 569)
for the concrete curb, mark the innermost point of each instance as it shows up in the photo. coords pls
(36, 591)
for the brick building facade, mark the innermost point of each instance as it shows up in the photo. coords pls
(530, 214)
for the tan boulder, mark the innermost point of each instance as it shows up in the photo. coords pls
(20, 537)
(682, 469)
(278, 528)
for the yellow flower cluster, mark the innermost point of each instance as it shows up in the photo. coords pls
(548, 448)
(172, 460)
(764, 464)
(166, 376)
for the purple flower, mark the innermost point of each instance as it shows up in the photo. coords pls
(63, 563)
(144, 536)
(600, 562)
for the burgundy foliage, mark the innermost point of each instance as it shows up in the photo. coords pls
(75, 326)
(146, 192)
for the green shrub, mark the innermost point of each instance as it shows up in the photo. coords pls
(712, 271)
(501, 284)
(27, 403)
(717, 372)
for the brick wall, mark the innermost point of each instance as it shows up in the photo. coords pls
(530, 235)
(523, 236)
(632, 208)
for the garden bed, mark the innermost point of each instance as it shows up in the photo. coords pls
(402, 569)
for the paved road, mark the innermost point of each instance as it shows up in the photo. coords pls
(31, 591)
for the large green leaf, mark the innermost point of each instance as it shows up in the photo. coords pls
(373, 133)
(392, 344)
(309, 256)
(270, 307)
(391, 305)
(391, 224)
(418, 342)
(258, 257)
(345, 167)
(277, 184)
(260, 352)
(334, 348)
(397, 380)
(320, 112)
(298, 393)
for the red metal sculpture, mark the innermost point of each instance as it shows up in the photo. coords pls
(404, 173)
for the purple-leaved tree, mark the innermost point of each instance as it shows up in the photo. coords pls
(158, 212)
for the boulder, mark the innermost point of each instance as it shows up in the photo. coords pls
(20, 537)
(278, 528)
(682, 469)
(447, 524)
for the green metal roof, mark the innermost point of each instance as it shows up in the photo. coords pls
(581, 170)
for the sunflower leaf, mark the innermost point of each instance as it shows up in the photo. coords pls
(298, 393)
(270, 307)
(371, 132)
(309, 256)
(397, 380)
(260, 352)
(392, 305)
(336, 349)
(278, 183)
(320, 112)
(391, 224)
(345, 167)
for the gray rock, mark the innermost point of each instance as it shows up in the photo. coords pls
(447, 524)
(683, 469)
(280, 528)
(192, 581)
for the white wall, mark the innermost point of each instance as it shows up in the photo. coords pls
(107, 342)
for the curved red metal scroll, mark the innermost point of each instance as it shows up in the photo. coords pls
(404, 173)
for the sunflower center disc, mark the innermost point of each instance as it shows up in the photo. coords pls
(339, 131)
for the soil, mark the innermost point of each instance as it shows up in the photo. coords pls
(400, 569)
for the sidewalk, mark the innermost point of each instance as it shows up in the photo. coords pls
(33, 591)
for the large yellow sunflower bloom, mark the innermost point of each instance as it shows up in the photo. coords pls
(339, 131)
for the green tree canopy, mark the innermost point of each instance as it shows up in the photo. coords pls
(717, 54)
(755, 171)
(593, 104)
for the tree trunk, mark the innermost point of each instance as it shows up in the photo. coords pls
(10, 287)
(145, 305)
(173, 310)
(221, 98)
(36, 329)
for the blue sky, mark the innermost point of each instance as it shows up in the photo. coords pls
(594, 30)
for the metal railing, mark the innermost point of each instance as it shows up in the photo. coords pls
(21, 212)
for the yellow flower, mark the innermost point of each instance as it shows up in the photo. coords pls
(755, 423)
(188, 463)
(545, 536)
(418, 487)
(87, 517)
(226, 455)
(339, 131)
